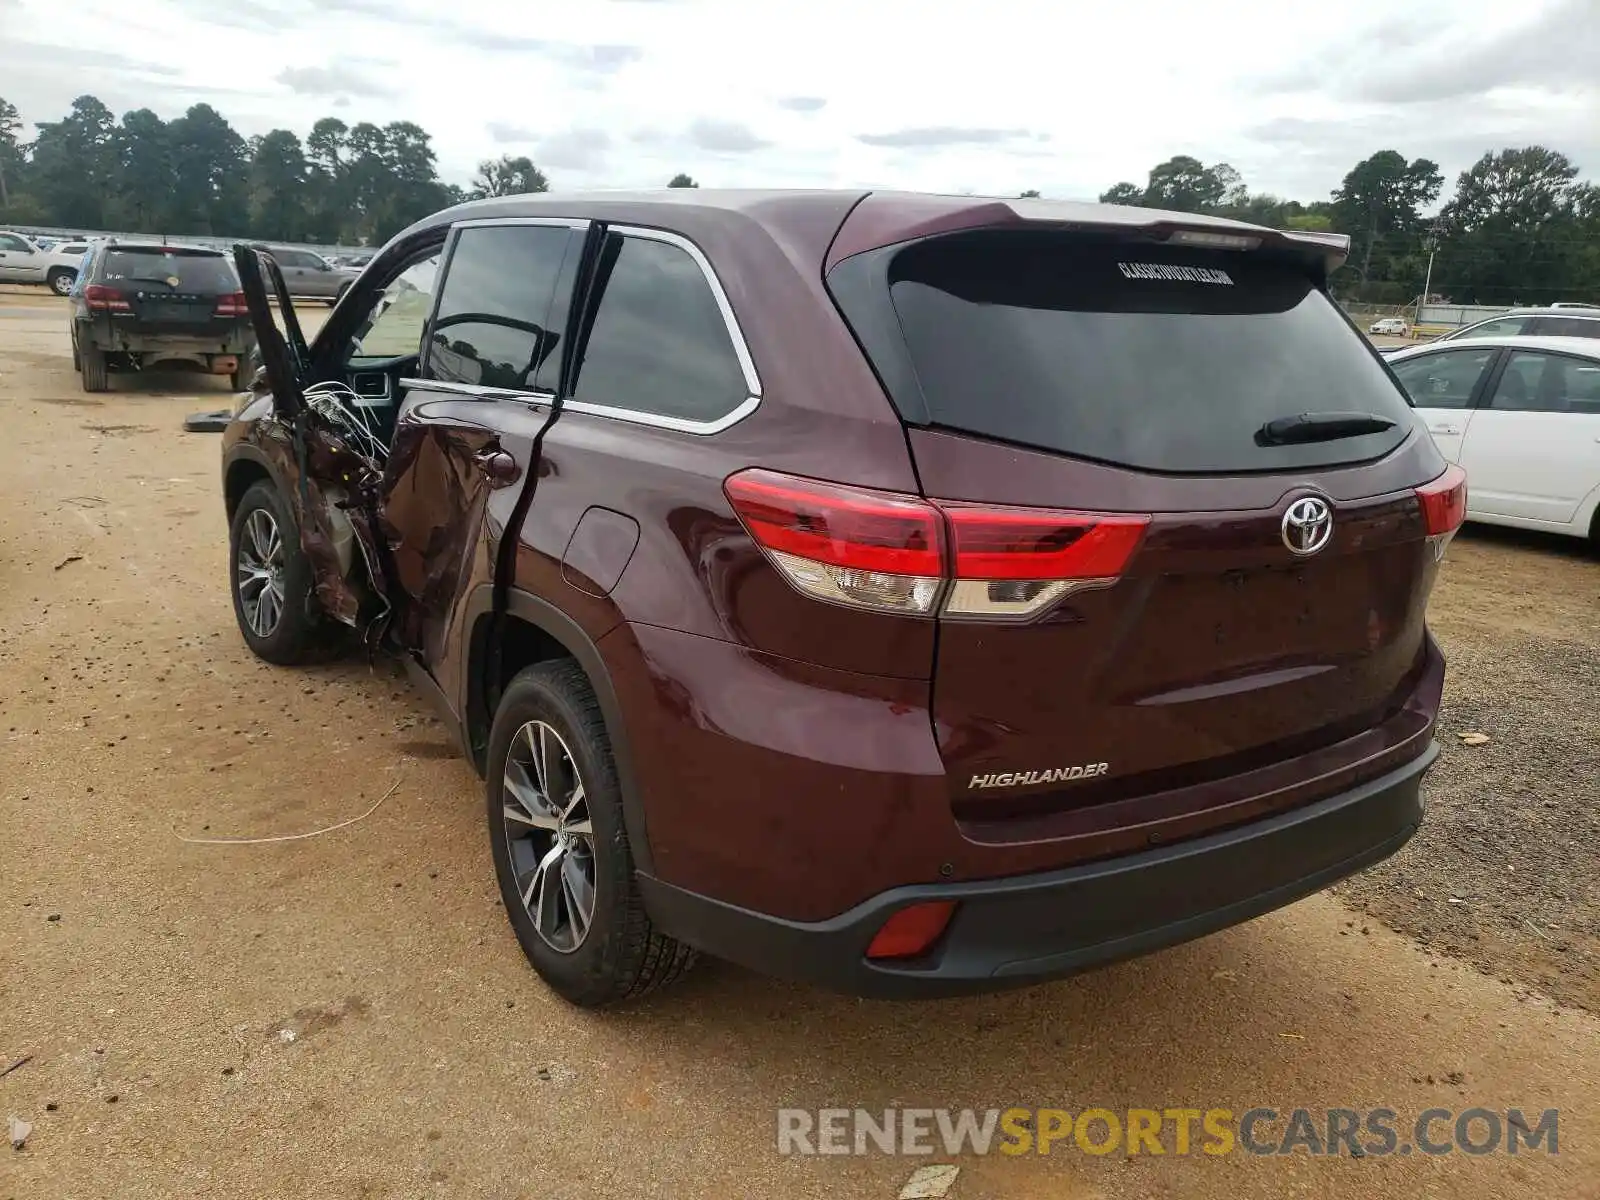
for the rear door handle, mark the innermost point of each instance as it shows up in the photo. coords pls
(1443, 429)
(498, 467)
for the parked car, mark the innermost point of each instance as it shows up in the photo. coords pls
(1553, 321)
(23, 261)
(1392, 325)
(141, 304)
(310, 276)
(911, 594)
(1522, 416)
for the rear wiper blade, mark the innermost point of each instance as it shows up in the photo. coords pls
(1320, 427)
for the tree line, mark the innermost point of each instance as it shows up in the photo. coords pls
(1520, 226)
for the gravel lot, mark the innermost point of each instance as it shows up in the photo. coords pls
(349, 1016)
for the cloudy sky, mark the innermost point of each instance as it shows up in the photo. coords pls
(1068, 97)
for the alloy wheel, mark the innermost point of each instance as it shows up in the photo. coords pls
(260, 572)
(549, 836)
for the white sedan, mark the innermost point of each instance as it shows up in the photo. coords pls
(1521, 415)
(1389, 325)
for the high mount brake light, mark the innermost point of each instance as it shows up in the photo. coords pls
(1444, 506)
(900, 553)
(1212, 241)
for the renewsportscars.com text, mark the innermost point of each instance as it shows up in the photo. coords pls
(1357, 1133)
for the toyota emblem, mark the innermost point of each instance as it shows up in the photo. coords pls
(1307, 525)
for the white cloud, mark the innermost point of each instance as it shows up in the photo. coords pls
(935, 95)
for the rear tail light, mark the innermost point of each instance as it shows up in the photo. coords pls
(850, 545)
(911, 932)
(232, 305)
(899, 553)
(1015, 562)
(104, 299)
(1444, 507)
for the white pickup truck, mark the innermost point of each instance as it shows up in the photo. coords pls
(23, 262)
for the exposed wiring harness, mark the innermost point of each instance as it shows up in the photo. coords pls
(342, 409)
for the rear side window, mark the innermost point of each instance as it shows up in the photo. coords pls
(1584, 327)
(1501, 327)
(296, 258)
(494, 325)
(1161, 358)
(181, 270)
(1553, 383)
(659, 343)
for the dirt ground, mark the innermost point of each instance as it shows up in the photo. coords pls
(349, 1016)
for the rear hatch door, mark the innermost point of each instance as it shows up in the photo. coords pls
(1185, 532)
(173, 290)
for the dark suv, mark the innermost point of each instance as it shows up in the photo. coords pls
(912, 594)
(138, 305)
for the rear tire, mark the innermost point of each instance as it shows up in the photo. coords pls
(267, 567)
(618, 954)
(92, 368)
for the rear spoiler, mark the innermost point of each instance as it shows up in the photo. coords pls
(885, 219)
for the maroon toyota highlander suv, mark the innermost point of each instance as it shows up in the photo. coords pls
(912, 594)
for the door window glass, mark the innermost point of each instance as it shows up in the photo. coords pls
(1443, 380)
(659, 343)
(393, 329)
(7, 242)
(495, 325)
(1534, 382)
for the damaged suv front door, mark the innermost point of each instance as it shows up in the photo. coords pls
(466, 443)
(415, 436)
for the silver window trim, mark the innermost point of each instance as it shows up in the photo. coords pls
(741, 348)
(659, 421)
(555, 222)
(477, 391)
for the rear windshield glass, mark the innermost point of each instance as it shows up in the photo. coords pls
(1162, 358)
(193, 272)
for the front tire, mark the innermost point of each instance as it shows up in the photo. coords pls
(271, 582)
(560, 846)
(92, 368)
(61, 282)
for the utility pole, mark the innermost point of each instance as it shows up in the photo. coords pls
(1432, 243)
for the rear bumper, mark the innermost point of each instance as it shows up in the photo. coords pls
(228, 338)
(1029, 928)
